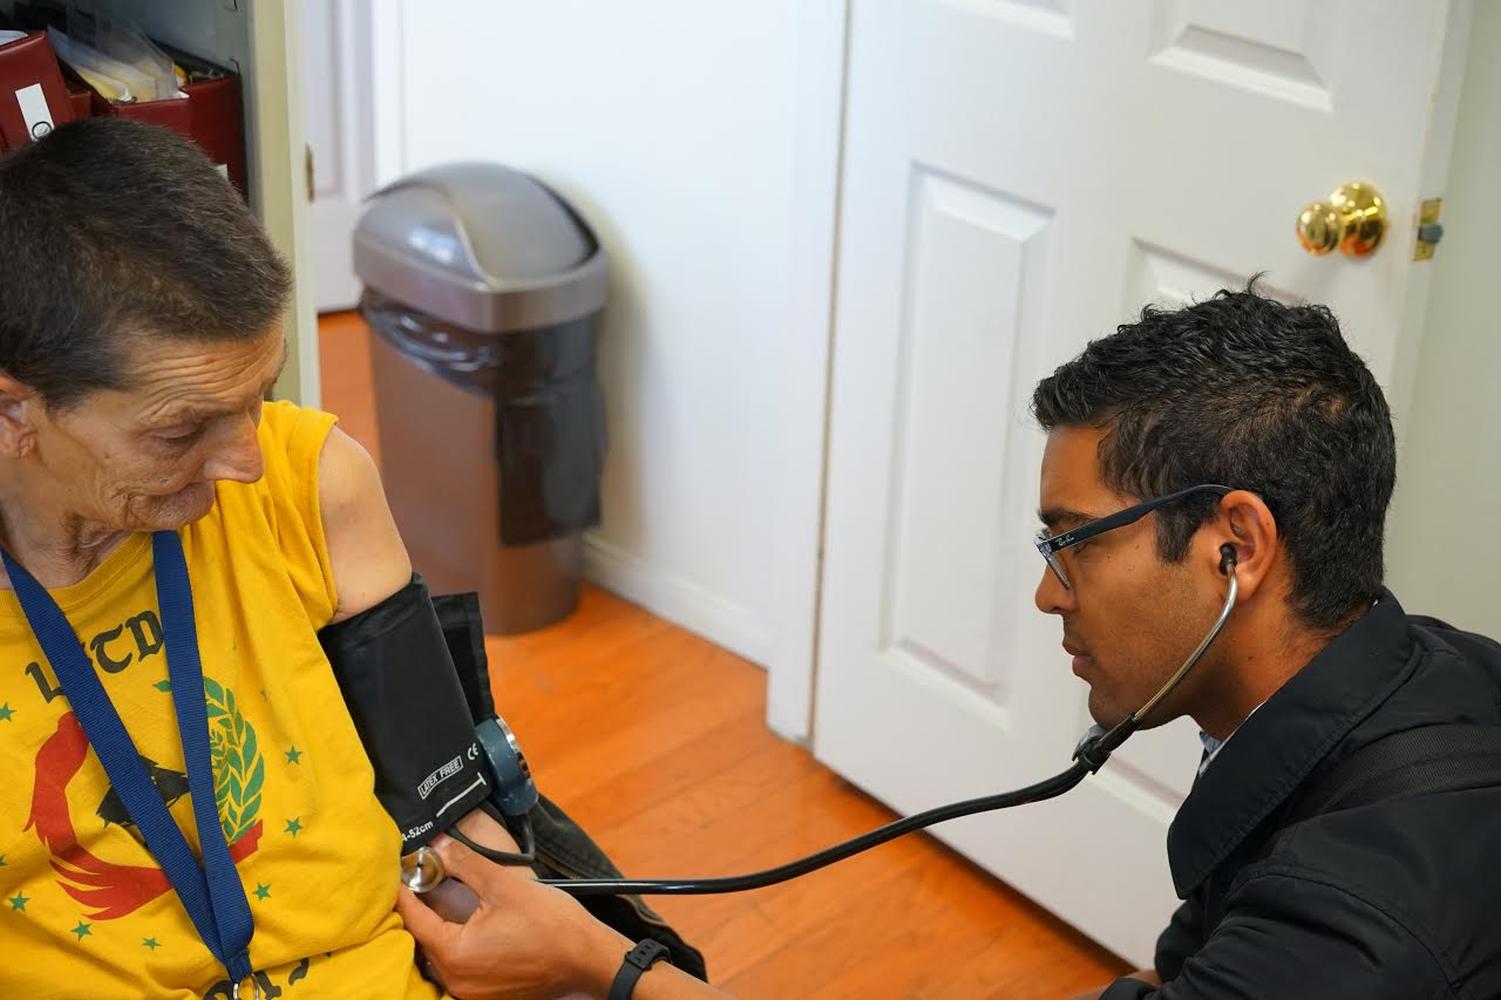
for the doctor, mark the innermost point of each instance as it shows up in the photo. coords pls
(1266, 408)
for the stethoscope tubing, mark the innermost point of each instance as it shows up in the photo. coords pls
(1090, 756)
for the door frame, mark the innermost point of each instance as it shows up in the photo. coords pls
(366, 68)
(821, 52)
(380, 25)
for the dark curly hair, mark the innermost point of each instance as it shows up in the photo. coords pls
(1250, 392)
(111, 229)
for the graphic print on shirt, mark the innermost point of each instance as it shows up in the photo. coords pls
(115, 890)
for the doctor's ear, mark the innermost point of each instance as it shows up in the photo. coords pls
(1243, 535)
(18, 403)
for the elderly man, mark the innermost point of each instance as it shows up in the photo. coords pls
(140, 331)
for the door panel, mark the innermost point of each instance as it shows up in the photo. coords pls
(973, 265)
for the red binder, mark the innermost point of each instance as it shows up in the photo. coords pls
(80, 96)
(211, 114)
(33, 97)
(219, 123)
(174, 113)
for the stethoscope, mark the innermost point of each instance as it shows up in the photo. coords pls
(424, 871)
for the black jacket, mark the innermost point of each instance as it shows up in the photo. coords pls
(1400, 898)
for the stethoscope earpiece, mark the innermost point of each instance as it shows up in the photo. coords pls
(1227, 558)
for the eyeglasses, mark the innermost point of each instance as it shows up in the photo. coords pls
(1050, 546)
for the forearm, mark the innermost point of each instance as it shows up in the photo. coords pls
(663, 982)
(603, 953)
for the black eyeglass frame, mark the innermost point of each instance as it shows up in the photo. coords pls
(1050, 546)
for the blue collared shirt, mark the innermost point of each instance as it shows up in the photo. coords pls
(1212, 746)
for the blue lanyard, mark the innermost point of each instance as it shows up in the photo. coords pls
(212, 894)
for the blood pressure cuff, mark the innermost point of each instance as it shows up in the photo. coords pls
(564, 849)
(416, 679)
(398, 678)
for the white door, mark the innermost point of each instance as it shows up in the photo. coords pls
(1020, 177)
(339, 94)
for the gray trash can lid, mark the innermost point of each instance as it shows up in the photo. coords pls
(482, 246)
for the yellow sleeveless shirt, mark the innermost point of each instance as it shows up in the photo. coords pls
(85, 910)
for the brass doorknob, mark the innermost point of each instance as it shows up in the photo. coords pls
(1352, 221)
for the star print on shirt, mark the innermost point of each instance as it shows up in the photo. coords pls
(294, 755)
(83, 930)
(151, 943)
(294, 826)
(18, 902)
(262, 890)
(6, 712)
(2, 861)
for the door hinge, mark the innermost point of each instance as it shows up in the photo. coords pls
(1429, 230)
(310, 188)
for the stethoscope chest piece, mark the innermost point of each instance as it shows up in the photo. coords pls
(422, 870)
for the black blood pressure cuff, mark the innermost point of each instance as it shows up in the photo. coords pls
(410, 706)
(414, 674)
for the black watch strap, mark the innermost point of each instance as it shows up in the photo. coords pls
(637, 961)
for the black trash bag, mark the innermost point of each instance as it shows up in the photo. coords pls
(549, 430)
(549, 411)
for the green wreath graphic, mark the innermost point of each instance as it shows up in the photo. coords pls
(239, 767)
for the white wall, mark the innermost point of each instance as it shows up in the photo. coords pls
(1444, 544)
(671, 124)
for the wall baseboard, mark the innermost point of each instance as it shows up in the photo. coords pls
(679, 601)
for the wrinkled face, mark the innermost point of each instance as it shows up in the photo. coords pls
(1130, 619)
(146, 458)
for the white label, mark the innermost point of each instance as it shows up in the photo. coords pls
(34, 109)
(439, 776)
(223, 169)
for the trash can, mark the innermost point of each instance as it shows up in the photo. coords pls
(484, 290)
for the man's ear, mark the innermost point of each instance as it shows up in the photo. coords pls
(19, 404)
(1244, 522)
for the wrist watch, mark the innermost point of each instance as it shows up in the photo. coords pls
(637, 961)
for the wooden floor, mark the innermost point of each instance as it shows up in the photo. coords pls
(654, 740)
